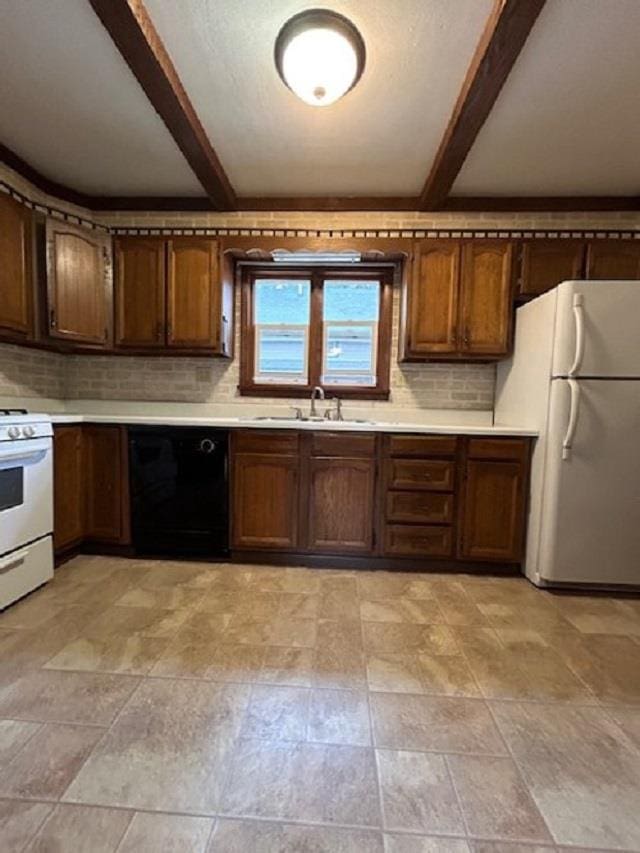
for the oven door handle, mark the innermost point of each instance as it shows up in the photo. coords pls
(21, 458)
(12, 561)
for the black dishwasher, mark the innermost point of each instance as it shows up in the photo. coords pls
(179, 491)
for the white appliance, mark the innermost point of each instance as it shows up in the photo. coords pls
(26, 503)
(575, 377)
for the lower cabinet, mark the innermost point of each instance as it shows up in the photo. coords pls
(90, 483)
(341, 505)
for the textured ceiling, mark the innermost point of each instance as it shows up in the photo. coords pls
(567, 121)
(378, 140)
(71, 108)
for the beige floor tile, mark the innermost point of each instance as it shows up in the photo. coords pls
(339, 716)
(442, 724)
(495, 800)
(133, 655)
(279, 631)
(423, 611)
(162, 598)
(629, 721)
(583, 772)
(163, 833)
(236, 663)
(13, 736)
(447, 675)
(298, 605)
(196, 649)
(290, 667)
(417, 793)
(304, 782)
(506, 847)
(19, 821)
(340, 636)
(609, 665)
(592, 614)
(541, 614)
(408, 637)
(48, 762)
(276, 713)
(163, 573)
(285, 580)
(67, 697)
(456, 606)
(99, 594)
(242, 836)
(75, 828)
(119, 621)
(384, 585)
(33, 611)
(339, 668)
(395, 843)
(395, 672)
(339, 605)
(167, 751)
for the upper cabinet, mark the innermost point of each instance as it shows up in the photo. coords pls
(458, 299)
(79, 285)
(613, 259)
(16, 314)
(173, 295)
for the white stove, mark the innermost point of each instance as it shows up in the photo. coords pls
(26, 503)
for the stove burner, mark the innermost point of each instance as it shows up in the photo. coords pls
(7, 413)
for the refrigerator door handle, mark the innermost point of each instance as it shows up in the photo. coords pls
(578, 313)
(567, 444)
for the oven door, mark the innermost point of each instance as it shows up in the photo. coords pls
(26, 492)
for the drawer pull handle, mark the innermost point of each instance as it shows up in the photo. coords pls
(13, 561)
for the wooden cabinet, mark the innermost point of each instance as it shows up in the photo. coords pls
(493, 504)
(140, 292)
(265, 490)
(16, 303)
(79, 285)
(545, 263)
(341, 505)
(613, 259)
(173, 295)
(458, 300)
(68, 487)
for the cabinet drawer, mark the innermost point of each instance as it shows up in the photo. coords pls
(420, 507)
(497, 448)
(342, 444)
(421, 445)
(265, 441)
(425, 474)
(418, 541)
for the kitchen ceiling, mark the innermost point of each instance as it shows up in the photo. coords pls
(566, 123)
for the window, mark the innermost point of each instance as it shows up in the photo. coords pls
(307, 327)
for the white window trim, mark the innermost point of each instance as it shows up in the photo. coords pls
(280, 378)
(374, 325)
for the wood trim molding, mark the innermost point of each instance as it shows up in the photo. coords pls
(133, 33)
(504, 36)
(46, 185)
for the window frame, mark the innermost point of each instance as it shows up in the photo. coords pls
(316, 275)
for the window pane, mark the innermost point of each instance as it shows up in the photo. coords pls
(351, 311)
(281, 311)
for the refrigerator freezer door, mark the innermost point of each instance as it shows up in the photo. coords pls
(589, 529)
(597, 329)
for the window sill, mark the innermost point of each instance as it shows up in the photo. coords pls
(292, 392)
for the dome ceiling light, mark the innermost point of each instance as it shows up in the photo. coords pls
(320, 56)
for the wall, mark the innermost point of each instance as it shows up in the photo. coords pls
(28, 373)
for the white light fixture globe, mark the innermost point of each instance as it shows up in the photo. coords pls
(320, 56)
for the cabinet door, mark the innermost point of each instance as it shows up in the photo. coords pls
(432, 299)
(545, 263)
(492, 523)
(614, 260)
(486, 298)
(341, 515)
(140, 292)
(193, 294)
(79, 284)
(68, 491)
(265, 501)
(105, 483)
(15, 267)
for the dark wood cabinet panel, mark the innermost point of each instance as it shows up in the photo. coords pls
(486, 298)
(341, 505)
(194, 308)
(613, 259)
(105, 483)
(546, 263)
(342, 444)
(285, 442)
(68, 487)
(405, 540)
(419, 507)
(265, 501)
(140, 292)
(432, 299)
(492, 510)
(79, 284)
(16, 303)
(421, 445)
(420, 474)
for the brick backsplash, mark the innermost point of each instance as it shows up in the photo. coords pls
(31, 373)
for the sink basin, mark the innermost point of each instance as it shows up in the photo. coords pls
(304, 420)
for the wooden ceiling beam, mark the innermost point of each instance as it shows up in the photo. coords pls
(503, 38)
(129, 25)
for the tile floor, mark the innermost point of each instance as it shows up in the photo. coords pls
(158, 706)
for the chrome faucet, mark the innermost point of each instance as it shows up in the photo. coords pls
(317, 393)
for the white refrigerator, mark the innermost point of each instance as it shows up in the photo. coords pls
(575, 377)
